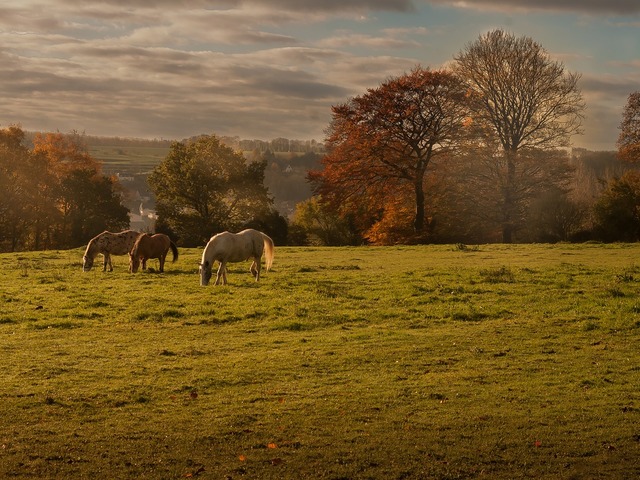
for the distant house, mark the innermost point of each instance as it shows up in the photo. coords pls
(144, 220)
(124, 178)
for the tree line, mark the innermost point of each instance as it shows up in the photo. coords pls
(474, 153)
(53, 194)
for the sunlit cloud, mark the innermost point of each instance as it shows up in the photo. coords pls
(254, 68)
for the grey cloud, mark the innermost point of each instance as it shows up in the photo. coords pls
(367, 41)
(331, 6)
(609, 87)
(288, 84)
(618, 7)
(337, 5)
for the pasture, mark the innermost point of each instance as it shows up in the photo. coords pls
(444, 362)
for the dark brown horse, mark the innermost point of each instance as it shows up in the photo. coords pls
(151, 246)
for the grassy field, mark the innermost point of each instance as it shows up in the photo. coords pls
(444, 362)
(129, 159)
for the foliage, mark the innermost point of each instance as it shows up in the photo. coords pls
(555, 217)
(319, 225)
(54, 195)
(618, 209)
(273, 224)
(521, 101)
(92, 204)
(629, 139)
(381, 144)
(501, 362)
(204, 187)
(478, 197)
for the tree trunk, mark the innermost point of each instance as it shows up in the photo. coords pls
(418, 223)
(509, 198)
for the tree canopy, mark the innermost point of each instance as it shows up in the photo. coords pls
(53, 195)
(204, 187)
(522, 101)
(381, 144)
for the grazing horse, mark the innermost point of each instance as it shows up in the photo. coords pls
(151, 246)
(235, 247)
(108, 244)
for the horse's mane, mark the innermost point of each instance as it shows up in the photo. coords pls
(92, 246)
(136, 245)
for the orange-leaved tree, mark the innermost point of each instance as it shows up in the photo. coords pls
(87, 201)
(382, 143)
(629, 139)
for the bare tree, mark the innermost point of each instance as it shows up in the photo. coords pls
(521, 101)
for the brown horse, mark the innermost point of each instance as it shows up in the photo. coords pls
(151, 246)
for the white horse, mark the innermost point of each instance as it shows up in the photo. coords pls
(235, 247)
(108, 244)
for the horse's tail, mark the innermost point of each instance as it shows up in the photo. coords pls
(174, 250)
(268, 250)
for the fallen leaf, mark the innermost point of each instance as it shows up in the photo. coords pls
(242, 458)
(272, 445)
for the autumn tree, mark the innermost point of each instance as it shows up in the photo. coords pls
(87, 201)
(53, 195)
(64, 152)
(204, 187)
(522, 102)
(629, 138)
(382, 143)
(15, 191)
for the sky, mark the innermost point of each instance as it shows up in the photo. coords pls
(262, 69)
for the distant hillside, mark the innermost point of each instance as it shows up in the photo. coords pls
(132, 160)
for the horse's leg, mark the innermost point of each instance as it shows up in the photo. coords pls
(255, 269)
(162, 259)
(221, 273)
(144, 263)
(106, 261)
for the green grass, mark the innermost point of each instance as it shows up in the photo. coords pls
(442, 362)
(129, 159)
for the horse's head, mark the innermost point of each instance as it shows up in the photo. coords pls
(87, 263)
(134, 262)
(205, 273)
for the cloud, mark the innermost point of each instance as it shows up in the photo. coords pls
(595, 7)
(368, 41)
(253, 68)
